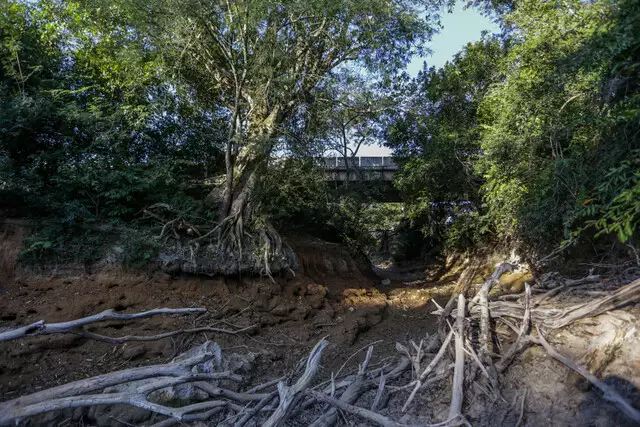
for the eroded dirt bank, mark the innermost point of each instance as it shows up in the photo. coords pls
(330, 296)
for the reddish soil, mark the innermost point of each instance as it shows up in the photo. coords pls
(329, 297)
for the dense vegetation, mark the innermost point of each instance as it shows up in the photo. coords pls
(538, 128)
(209, 119)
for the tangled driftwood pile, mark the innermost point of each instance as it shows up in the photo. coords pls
(201, 386)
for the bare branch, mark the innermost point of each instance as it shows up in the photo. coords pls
(508, 357)
(567, 284)
(428, 369)
(362, 412)
(126, 338)
(75, 326)
(458, 374)
(90, 385)
(79, 393)
(350, 395)
(289, 394)
(373, 416)
(608, 393)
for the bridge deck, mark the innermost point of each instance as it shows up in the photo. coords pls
(359, 169)
(385, 163)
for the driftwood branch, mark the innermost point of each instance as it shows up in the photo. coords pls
(127, 338)
(138, 398)
(430, 367)
(283, 401)
(619, 298)
(100, 382)
(608, 393)
(372, 416)
(568, 283)
(350, 395)
(485, 321)
(289, 394)
(83, 393)
(376, 400)
(492, 280)
(555, 318)
(361, 412)
(455, 410)
(464, 283)
(254, 411)
(518, 345)
(77, 326)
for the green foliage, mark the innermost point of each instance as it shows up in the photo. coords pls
(295, 196)
(616, 208)
(536, 128)
(88, 112)
(467, 229)
(346, 114)
(93, 127)
(292, 193)
(65, 242)
(437, 141)
(383, 216)
(106, 107)
(138, 249)
(564, 115)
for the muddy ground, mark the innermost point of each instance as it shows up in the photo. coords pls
(330, 296)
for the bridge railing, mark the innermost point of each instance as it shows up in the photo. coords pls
(360, 162)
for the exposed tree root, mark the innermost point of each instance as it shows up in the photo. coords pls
(236, 236)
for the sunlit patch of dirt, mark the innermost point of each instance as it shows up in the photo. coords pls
(512, 282)
(411, 298)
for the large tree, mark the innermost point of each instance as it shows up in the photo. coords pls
(263, 60)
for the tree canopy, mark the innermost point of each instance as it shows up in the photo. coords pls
(538, 127)
(222, 111)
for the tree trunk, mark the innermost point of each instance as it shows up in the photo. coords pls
(232, 136)
(236, 210)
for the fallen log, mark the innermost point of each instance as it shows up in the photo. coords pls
(568, 283)
(555, 318)
(464, 283)
(624, 295)
(492, 280)
(100, 382)
(77, 326)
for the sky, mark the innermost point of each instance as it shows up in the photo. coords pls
(459, 28)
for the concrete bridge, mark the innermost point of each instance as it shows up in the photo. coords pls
(373, 175)
(359, 169)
